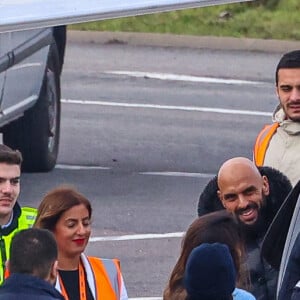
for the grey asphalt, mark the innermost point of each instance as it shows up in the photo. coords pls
(126, 201)
(182, 41)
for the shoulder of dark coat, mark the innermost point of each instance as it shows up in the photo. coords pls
(296, 294)
(279, 184)
(209, 200)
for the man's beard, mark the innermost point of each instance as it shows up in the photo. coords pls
(259, 227)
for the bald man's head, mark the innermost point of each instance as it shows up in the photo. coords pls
(242, 189)
(235, 168)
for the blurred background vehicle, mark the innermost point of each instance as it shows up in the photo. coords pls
(30, 67)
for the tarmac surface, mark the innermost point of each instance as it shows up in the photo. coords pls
(182, 41)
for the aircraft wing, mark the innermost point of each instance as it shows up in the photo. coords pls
(28, 14)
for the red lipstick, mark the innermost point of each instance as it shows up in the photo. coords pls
(79, 242)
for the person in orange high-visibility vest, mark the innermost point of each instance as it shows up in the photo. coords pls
(278, 144)
(67, 213)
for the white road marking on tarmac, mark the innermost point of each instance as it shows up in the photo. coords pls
(131, 237)
(77, 167)
(163, 173)
(178, 77)
(169, 107)
(179, 174)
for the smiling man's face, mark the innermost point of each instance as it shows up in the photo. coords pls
(242, 190)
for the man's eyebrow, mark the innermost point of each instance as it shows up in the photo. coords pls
(246, 190)
(229, 195)
(250, 189)
(10, 178)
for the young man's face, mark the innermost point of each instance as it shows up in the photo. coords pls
(9, 190)
(288, 91)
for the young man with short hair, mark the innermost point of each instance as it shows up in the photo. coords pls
(278, 144)
(12, 217)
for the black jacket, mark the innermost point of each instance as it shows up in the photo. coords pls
(296, 293)
(27, 287)
(263, 276)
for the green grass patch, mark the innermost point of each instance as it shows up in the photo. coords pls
(267, 19)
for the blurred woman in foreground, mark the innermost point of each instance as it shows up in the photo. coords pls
(217, 227)
(67, 213)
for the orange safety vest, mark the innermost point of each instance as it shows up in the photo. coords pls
(262, 143)
(103, 276)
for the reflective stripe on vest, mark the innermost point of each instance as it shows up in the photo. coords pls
(107, 276)
(262, 142)
(112, 270)
(27, 217)
(25, 221)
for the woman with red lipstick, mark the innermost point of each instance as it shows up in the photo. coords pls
(67, 213)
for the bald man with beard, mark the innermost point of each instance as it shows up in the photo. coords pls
(254, 195)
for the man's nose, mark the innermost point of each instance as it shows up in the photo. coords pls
(6, 186)
(243, 201)
(295, 94)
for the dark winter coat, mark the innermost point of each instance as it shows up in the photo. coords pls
(27, 287)
(296, 293)
(263, 276)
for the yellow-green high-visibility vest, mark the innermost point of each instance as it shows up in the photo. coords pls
(25, 220)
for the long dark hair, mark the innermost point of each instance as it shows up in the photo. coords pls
(221, 227)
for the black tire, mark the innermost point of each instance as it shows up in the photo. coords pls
(36, 134)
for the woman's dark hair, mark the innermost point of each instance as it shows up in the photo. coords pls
(55, 203)
(217, 227)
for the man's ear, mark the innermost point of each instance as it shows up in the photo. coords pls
(220, 198)
(53, 273)
(276, 91)
(265, 186)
